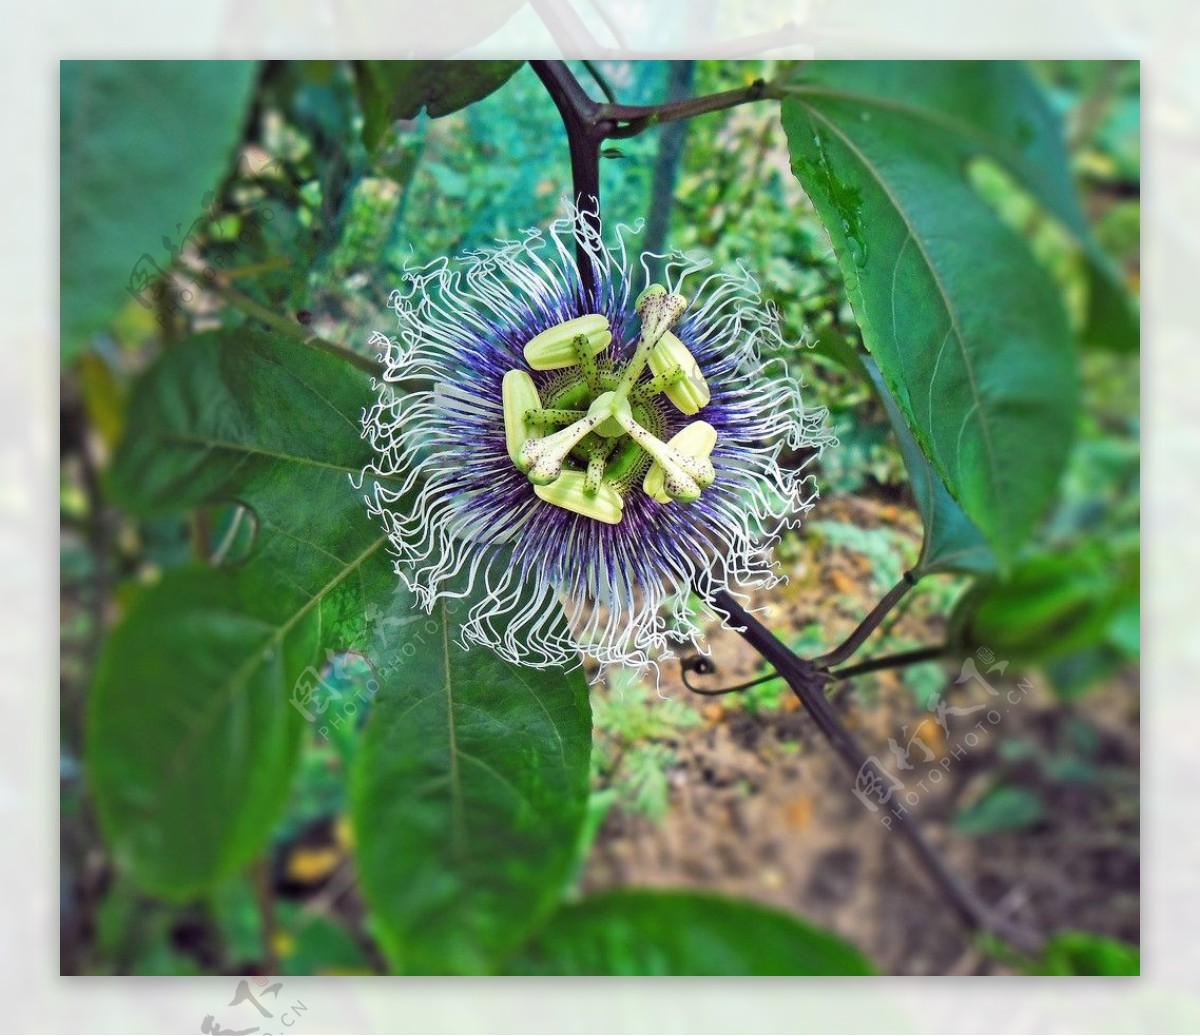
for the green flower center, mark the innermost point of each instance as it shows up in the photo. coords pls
(597, 430)
(570, 397)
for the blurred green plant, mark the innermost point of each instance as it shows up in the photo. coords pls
(634, 751)
(1086, 953)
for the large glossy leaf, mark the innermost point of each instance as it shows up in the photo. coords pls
(471, 786)
(995, 109)
(682, 933)
(468, 797)
(391, 90)
(191, 741)
(951, 543)
(142, 143)
(968, 332)
(192, 731)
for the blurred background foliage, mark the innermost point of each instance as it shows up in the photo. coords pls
(333, 199)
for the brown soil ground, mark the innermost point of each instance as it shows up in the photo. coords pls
(760, 807)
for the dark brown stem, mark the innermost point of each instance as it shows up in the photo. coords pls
(589, 124)
(869, 625)
(584, 137)
(896, 661)
(632, 119)
(808, 682)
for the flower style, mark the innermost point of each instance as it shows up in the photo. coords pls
(558, 446)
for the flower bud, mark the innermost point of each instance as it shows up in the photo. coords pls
(568, 343)
(519, 395)
(689, 392)
(569, 491)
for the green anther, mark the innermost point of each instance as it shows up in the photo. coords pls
(519, 396)
(569, 491)
(681, 468)
(566, 344)
(653, 484)
(681, 474)
(690, 392)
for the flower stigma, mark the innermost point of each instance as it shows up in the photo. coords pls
(593, 436)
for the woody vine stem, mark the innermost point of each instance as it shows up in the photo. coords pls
(588, 124)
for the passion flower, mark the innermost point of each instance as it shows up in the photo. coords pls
(564, 446)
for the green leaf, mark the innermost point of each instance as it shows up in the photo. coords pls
(468, 797)
(1125, 630)
(141, 145)
(952, 543)
(1053, 604)
(1112, 321)
(391, 90)
(193, 734)
(682, 933)
(1086, 953)
(236, 913)
(191, 738)
(997, 109)
(1005, 807)
(969, 334)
